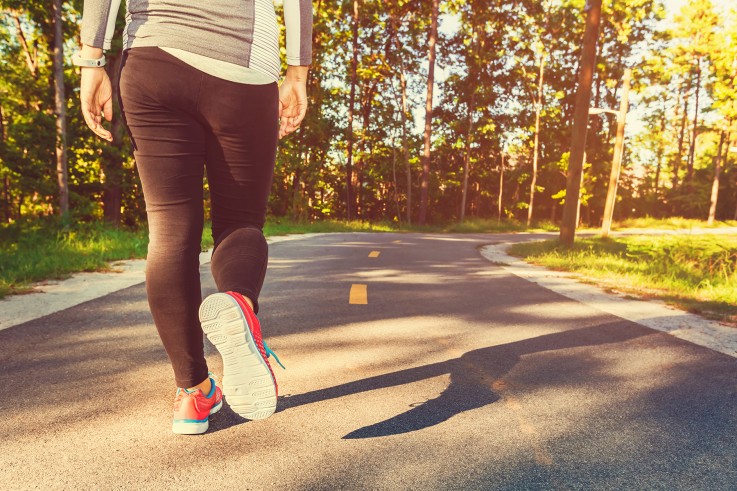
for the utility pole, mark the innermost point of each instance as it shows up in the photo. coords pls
(580, 122)
(611, 195)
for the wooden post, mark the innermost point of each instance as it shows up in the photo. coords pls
(580, 122)
(611, 195)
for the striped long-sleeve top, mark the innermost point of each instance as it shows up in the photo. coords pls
(243, 32)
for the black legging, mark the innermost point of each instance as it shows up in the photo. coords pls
(181, 121)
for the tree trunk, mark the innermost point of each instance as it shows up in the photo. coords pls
(715, 182)
(501, 191)
(577, 158)
(61, 113)
(405, 142)
(681, 136)
(351, 103)
(695, 131)
(6, 179)
(467, 159)
(538, 108)
(611, 196)
(661, 152)
(425, 186)
(578, 206)
(403, 107)
(366, 100)
(394, 178)
(31, 57)
(471, 106)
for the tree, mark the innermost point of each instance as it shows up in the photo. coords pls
(60, 110)
(583, 96)
(351, 105)
(432, 41)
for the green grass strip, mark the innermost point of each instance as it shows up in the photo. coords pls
(674, 223)
(695, 272)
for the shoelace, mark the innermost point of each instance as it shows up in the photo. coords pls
(269, 353)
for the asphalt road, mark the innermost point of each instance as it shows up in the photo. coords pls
(453, 375)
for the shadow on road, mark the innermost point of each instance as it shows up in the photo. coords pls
(473, 378)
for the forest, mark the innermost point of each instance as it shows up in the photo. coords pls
(421, 112)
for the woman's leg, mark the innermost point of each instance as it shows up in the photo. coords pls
(241, 151)
(158, 94)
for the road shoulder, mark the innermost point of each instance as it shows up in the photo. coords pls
(53, 296)
(650, 313)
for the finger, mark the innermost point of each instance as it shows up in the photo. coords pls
(89, 118)
(282, 127)
(297, 119)
(104, 134)
(108, 109)
(94, 124)
(292, 125)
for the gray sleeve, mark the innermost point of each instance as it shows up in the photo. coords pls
(98, 22)
(298, 21)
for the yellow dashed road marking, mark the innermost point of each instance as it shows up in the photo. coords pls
(358, 294)
(374, 254)
(396, 242)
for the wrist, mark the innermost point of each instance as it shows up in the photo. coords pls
(90, 52)
(89, 57)
(297, 73)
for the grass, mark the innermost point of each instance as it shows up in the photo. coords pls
(695, 272)
(284, 227)
(675, 223)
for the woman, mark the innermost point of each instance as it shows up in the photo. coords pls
(198, 91)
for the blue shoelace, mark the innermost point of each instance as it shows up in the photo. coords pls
(270, 353)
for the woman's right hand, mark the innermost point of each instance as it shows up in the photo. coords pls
(96, 96)
(292, 99)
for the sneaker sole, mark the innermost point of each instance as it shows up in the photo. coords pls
(186, 428)
(248, 384)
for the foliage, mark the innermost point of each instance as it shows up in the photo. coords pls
(490, 54)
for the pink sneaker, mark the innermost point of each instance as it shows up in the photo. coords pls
(192, 409)
(248, 380)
